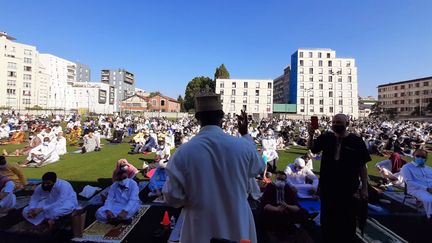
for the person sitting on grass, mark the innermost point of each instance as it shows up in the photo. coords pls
(12, 172)
(51, 200)
(163, 153)
(42, 155)
(122, 202)
(7, 196)
(390, 169)
(280, 208)
(418, 177)
(17, 137)
(297, 176)
(91, 142)
(60, 143)
(34, 141)
(157, 181)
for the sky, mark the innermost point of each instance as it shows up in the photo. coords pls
(166, 43)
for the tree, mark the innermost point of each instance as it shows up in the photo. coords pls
(376, 110)
(221, 72)
(153, 94)
(429, 106)
(194, 87)
(417, 112)
(181, 101)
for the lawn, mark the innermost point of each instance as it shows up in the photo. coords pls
(96, 168)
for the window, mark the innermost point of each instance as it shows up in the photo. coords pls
(221, 85)
(256, 100)
(27, 60)
(330, 93)
(331, 109)
(27, 85)
(320, 78)
(350, 86)
(11, 74)
(426, 84)
(320, 71)
(312, 109)
(245, 85)
(269, 92)
(310, 70)
(311, 101)
(245, 93)
(339, 78)
(233, 92)
(330, 79)
(244, 99)
(154, 102)
(300, 78)
(339, 86)
(350, 102)
(350, 94)
(330, 86)
(269, 100)
(301, 86)
(10, 91)
(349, 71)
(319, 55)
(257, 85)
(340, 102)
(232, 100)
(310, 55)
(348, 64)
(302, 109)
(339, 64)
(268, 108)
(27, 68)
(301, 54)
(349, 79)
(301, 71)
(321, 94)
(321, 86)
(320, 63)
(329, 63)
(301, 101)
(26, 93)
(162, 102)
(330, 71)
(311, 63)
(331, 101)
(321, 101)
(11, 65)
(269, 85)
(417, 92)
(11, 83)
(256, 92)
(311, 78)
(339, 93)
(402, 86)
(256, 108)
(311, 86)
(221, 92)
(301, 63)
(27, 52)
(234, 84)
(328, 55)
(232, 107)
(26, 102)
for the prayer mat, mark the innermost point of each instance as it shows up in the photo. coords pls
(21, 202)
(310, 205)
(107, 233)
(399, 197)
(376, 232)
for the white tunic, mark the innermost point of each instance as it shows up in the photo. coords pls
(297, 179)
(269, 148)
(10, 200)
(48, 152)
(60, 145)
(60, 201)
(419, 179)
(209, 177)
(120, 199)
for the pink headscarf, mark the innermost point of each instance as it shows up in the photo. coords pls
(124, 166)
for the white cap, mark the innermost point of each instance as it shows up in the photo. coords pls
(300, 162)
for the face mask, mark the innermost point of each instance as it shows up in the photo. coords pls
(47, 188)
(339, 129)
(124, 168)
(419, 160)
(279, 183)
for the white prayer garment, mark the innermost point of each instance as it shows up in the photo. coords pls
(60, 201)
(418, 180)
(269, 148)
(121, 196)
(209, 176)
(60, 144)
(386, 166)
(47, 152)
(297, 179)
(9, 200)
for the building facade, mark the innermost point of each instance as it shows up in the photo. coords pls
(157, 103)
(122, 80)
(365, 105)
(253, 96)
(406, 97)
(18, 74)
(91, 97)
(281, 87)
(134, 103)
(322, 84)
(82, 72)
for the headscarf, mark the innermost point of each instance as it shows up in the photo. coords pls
(397, 162)
(124, 166)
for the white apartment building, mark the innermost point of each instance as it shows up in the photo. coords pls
(61, 72)
(322, 84)
(93, 97)
(18, 71)
(253, 96)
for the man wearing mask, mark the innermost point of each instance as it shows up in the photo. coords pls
(418, 177)
(209, 177)
(52, 199)
(122, 202)
(343, 162)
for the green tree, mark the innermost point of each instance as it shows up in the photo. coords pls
(194, 87)
(376, 110)
(417, 112)
(181, 101)
(153, 94)
(221, 72)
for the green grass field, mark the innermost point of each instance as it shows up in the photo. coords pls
(96, 168)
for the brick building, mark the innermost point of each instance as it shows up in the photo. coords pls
(139, 103)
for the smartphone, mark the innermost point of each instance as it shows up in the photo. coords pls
(314, 122)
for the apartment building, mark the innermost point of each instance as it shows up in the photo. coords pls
(323, 84)
(281, 87)
(91, 97)
(122, 80)
(404, 97)
(253, 96)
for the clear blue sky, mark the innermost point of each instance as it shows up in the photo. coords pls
(168, 42)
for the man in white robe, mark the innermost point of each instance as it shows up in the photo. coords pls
(52, 199)
(7, 196)
(60, 144)
(297, 173)
(209, 177)
(269, 146)
(122, 202)
(42, 154)
(418, 178)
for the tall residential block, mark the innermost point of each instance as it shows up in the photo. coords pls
(253, 96)
(82, 72)
(123, 82)
(281, 87)
(323, 84)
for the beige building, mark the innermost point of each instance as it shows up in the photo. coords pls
(18, 71)
(253, 96)
(403, 97)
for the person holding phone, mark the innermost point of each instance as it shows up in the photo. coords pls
(343, 162)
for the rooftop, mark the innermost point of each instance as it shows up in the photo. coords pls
(406, 81)
(2, 33)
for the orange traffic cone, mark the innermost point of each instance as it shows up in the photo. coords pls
(166, 221)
